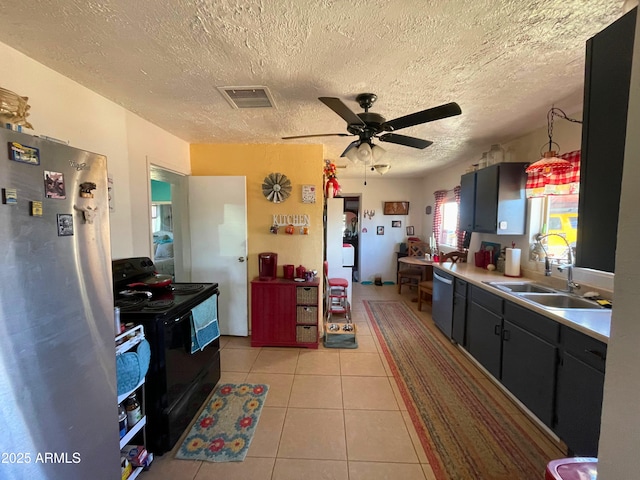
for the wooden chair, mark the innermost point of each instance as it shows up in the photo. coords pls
(414, 249)
(426, 288)
(453, 256)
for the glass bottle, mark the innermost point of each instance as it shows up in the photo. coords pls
(122, 420)
(134, 412)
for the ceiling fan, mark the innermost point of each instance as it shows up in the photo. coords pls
(368, 125)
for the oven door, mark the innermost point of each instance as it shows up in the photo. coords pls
(183, 382)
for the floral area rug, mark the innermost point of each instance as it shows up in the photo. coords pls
(224, 429)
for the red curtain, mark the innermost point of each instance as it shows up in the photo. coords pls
(440, 195)
(459, 233)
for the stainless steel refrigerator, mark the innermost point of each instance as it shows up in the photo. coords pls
(58, 402)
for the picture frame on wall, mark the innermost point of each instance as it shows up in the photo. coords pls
(410, 231)
(396, 223)
(396, 208)
(380, 231)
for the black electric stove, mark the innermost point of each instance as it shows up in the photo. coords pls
(178, 381)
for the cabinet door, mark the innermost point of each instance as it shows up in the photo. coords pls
(529, 370)
(273, 314)
(486, 213)
(578, 406)
(484, 342)
(467, 201)
(459, 318)
(606, 97)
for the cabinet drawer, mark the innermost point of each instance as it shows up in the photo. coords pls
(307, 295)
(306, 334)
(461, 287)
(591, 351)
(533, 322)
(491, 302)
(306, 314)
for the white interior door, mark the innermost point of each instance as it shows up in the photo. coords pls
(218, 218)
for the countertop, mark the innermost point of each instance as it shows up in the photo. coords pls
(595, 323)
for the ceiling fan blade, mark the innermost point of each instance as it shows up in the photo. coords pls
(353, 144)
(404, 140)
(429, 115)
(341, 109)
(319, 135)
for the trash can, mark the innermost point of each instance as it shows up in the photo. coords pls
(577, 468)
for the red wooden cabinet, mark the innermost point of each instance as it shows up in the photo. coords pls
(284, 313)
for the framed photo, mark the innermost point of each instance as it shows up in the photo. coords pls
(396, 223)
(380, 231)
(65, 225)
(410, 231)
(396, 208)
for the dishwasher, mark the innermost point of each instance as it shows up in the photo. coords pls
(442, 307)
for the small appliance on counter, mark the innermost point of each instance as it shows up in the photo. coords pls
(267, 265)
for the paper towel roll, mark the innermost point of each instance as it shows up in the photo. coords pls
(512, 262)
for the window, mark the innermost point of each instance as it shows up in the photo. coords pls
(449, 232)
(560, 215)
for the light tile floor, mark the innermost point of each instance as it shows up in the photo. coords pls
(318, 422)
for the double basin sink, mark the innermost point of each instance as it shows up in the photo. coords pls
(546, 297)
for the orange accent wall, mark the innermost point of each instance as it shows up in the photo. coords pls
(303, 165)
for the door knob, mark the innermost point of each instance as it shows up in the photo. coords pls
(241, 259)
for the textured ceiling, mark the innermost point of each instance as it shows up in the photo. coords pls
(504, 62)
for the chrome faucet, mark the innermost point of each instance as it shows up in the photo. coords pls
(571, 285)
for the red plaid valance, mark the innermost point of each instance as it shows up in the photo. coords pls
(561, 182)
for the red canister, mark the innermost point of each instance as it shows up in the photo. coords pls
(300, 271)
(288, 271)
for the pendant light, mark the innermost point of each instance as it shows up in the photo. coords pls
(550, 162)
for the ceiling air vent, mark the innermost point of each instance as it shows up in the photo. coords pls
(248, 97)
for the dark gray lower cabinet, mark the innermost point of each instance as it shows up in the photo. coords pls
(529, 370)
(459, 312)
(579, 392)
(484, 329)
(556, 371)
(530, 359)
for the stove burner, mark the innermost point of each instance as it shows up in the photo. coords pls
(187, 289)
(130, 303)
(158, 304)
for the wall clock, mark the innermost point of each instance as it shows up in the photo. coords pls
(276, 187)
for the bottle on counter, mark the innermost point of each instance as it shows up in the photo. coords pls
(122, 420)
(134, 412)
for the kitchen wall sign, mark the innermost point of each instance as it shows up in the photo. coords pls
(308, 194)
(36, 208)
(295, 220)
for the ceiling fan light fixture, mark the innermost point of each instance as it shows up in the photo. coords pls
(352, 155)
(377, 152)
(382, 168)
(365, 153)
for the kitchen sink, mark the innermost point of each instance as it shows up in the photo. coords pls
(560, 301)
(521, 287)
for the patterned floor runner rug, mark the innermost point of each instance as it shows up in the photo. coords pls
(224, 429)
(467, 430)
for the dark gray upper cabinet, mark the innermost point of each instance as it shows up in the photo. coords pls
(493, 200)
(606, 97)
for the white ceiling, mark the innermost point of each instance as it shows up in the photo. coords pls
(504, 62)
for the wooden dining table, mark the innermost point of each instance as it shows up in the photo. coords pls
(426, 265)
(427, 271)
